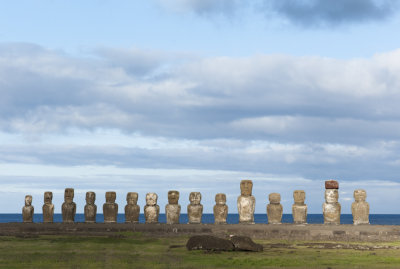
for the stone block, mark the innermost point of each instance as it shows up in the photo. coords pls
(244, 243)
(331, 184)
(209, 242)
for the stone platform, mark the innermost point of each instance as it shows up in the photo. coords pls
(308, 232)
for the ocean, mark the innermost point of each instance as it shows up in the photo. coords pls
(378, 219)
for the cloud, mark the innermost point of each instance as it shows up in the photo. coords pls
(278, 98)
(113, 148)
(306, 13)
(135, 61)
(327, 13)
(203, 7)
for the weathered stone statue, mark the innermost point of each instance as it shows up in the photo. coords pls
(68, 208)
(360, 208)
(173, 209)
(132, 209)
(48, 207)
(331, 208)
(220, 209)
(274, 209)
(195, 209)
(299, 209)
(151, 209)
(90, 207)
(246, 202)
(110, 208)
(27, 210)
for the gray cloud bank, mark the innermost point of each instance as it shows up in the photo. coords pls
(299, 12)
(307, 116)
(322, 12)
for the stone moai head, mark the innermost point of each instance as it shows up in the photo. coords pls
(90, 197)
(28, 200)
(331, 195)
(360, 195)
(173, 197)
(299, 197)
(246, 187)
(274, 198)
(151, 199)
(195, 198)
(69, 195)
(48, 197)
(220, 198)
(331, 191)
(132, 198)
(111, 196)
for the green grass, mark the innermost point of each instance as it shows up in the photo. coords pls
(134, 250)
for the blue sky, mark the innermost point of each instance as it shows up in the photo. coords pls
(196, 95)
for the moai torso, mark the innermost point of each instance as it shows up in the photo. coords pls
(274, 209)
(110, 208)
(331, 208)
(90, 207)
(246, 203)
(360, 208)
(173, 209)
(68, 208)
(48, 207)
(299, 209)
(220, 209)
(132, 210)
(27, 210)
(195, 209)
(151, 210)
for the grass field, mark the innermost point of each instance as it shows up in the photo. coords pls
(133, 250)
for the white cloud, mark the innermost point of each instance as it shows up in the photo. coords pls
(215, 97)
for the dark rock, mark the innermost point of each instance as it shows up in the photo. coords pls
(331, 184)
(245, 243)
(209, 242)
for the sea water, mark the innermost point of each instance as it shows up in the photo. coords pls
(379, 219)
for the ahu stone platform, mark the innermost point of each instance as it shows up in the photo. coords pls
(308, 232)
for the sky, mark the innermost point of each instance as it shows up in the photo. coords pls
(196, 95)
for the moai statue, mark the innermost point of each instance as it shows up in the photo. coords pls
(27, 210)
(195, 209)
(246, 202)
(173, 209)
(274, 209)
(48, 207)
(110, 208)
(331, 208)
(68, 208)
(360, 208)
(299, 209)
(132, 210)
(220, 209)
(151, 209)
(90, 207)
